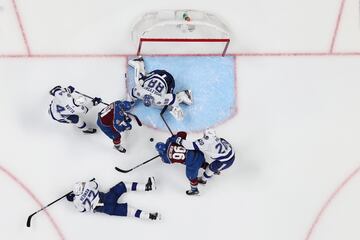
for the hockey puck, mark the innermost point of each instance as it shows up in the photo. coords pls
(151, 139)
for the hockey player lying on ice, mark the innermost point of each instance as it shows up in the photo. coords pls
(87, 198)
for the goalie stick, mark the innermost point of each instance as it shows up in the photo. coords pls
(162, 117)
(106, 104)
(28, 222)
(126, 171)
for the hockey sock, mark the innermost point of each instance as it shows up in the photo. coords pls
(134, 186)
(82, 125)
(134, 212)
(208, 173)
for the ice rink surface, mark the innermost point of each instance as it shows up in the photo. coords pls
(296, 130)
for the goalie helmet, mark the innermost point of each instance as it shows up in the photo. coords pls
(78, 188)
(148, 100)
(209, 134)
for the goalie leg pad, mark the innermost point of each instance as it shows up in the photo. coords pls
(184, 97)
(177, 113)
(139, 68)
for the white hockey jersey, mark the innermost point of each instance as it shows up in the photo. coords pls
(213, 148)
(64, 105)
(155, 85)
(89, 199)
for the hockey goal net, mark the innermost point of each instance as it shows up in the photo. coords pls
(179, 32)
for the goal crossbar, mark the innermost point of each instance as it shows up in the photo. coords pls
(225, 40)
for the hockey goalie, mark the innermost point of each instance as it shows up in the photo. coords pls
(156, 89)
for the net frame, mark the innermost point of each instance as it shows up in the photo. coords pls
(185, 30)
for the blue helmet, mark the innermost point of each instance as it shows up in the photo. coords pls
(148, 100)
(124, 105)
(160, 147)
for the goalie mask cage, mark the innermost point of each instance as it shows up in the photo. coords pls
(163, 30)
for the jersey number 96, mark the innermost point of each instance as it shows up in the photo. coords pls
(178, 153)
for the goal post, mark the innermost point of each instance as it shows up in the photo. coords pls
(204, 30)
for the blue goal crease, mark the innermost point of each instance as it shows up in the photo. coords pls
(212, 82)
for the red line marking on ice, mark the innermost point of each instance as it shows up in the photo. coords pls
(297, 54)
(32, 195)
(329, 201)
(21, 26)
(250, 54)
(63, 55)
(337, 25)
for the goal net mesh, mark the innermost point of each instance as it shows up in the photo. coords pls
(180, 32)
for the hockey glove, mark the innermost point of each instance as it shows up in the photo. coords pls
(70, 89)
(128, 127)
(70, 197)
(127, 119)
(52, 91)
(96, 101)
(176, 139)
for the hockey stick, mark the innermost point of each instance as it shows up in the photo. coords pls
(82, 94)
(135, 117)
(126, 171)
(28, 222)
(162, 117)
(106, 104)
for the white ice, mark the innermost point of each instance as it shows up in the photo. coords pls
(296, 133)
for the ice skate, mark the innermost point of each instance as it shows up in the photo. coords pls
(150, 185)
(89, 131)
(193, 192)
(202, 181)
(154, 216)
(133, 62)
(120, 148)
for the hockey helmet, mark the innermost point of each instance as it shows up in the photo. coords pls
(209, 134)
(79, 100)
(148, 100)
(125, 105)
(78, 188)
(160, 147)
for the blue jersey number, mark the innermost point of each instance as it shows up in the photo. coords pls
(159, 86)
(222, 147)
(91, 195)
(59, 108)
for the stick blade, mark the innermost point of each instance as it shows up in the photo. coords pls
(28, 222)
(121, 170)
(138, 121)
